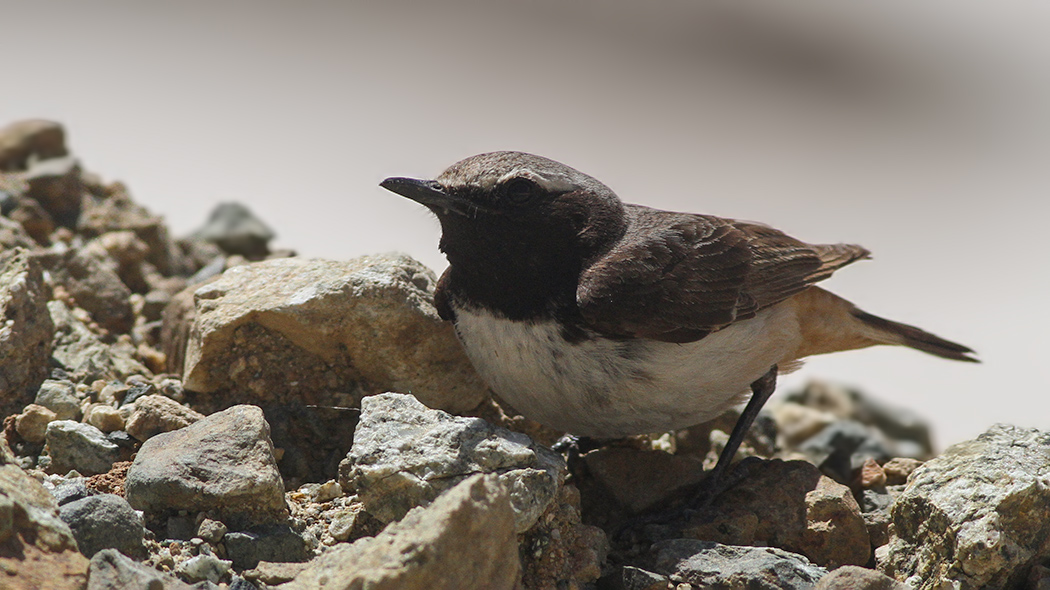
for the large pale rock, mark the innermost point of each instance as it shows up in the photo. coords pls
(79, 446)
(791, 505)
(405, 455)
(327, 332)
(154, 414)
(977, 516)
(711, 565)
(26, 330)
(464, 540)
(224, 463)
(37, 549)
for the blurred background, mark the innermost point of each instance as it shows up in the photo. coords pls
(919, 130)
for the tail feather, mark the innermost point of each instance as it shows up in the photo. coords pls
(897, 333)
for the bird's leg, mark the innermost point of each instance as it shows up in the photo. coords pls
(761, 390)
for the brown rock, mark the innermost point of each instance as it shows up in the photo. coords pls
(26, 332)
(34, 219)
(640, 480)
(32, 423)
(464, 540)
(37, 549)
(12, 234)
(789, 505)
(560, 551)
(56, 184)
(872, 475)
(898, 469)
(327, 332)
(30, 137)
(154, 414)
(104, 417)
(91, 279)
(851, 577)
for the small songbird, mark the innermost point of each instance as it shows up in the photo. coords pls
(603, 319)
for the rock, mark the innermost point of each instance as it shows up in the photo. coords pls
(712, 565)
(102, 522)
(270, 574)
(56, 184)
(110, 570)
(899, 469)
(154, 414)
(104, 417)
(559, 551)
(235, 229)
(851, 577)
(843, 447)
(312, 330)
(34, 219)
(25, 332)
(32, 423)
(638, 579)
(223, 463)
(273, 543)
(788, 505)
(204, 567)
(211, 531)
(978, 516)
(30, 138)
(118, 212)
(95, 285)
(79, 446)
(37, 549)
(405, 454)
(463, 540)
(12, 234)
(82, 355)
(70, 490)
(60, 397)
(640, 480)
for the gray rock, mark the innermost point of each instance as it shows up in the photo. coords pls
(12, 234)
(56, 184)
(110, 570)
(30, 139)
(39, 549)
(79, 446)
(274, 543)
(224, 463)
(978, 516)
(105, 521)
(154, 414)
(235, 229)
(844, 446)
(292, 329)
(82, 355)
(711, 565)
(90, 277)
(70, 490)
(117, 212)
(851, 577)
(405, 454)
(464, 540)
(638, 579)
(26, 331)
(204, 567)
(60, 397)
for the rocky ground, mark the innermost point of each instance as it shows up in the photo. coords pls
(204, 412)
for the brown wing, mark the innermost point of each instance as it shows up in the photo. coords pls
(678, 277)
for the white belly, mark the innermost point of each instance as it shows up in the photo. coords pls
(604, 388)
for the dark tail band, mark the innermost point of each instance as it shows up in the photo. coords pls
(917, 338)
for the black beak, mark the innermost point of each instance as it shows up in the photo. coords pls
(430, 194)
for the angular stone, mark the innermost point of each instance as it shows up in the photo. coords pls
(712, 565)
(313, 330)
(851, 577)
(978, 516)
(154, 414)
(95, 285)
(12, 234)
(105, 521)
(788, 505)
(405, 454)
(273, 543)
(104, 417)
(235, 229)
(118, 212)
(37, 549)
(82, 355)
(38, 138)
(464, 539)
(224, 463)
(79, 446)
(57, 185)
(110, 570)
(32, 423)
(26, 330)
(60, 397)
(640, 480)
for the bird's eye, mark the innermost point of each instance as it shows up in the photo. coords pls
(519, 190)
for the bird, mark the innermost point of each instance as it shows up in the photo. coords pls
(604, 320)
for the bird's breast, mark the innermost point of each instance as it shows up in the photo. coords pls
(605, 387)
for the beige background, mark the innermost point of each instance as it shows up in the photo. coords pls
(920, 130)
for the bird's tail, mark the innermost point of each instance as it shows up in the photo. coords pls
(829, 323)
(897, 333)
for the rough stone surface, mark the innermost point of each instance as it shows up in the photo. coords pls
(60, 397)
(316, 330)
(102, 522)
(464, 540)
(712, 565)
(405, 454)
(26, 330)
(851, 577)
(37, 549)
(79, 446)
(95, 285)
(788, 505)
(81, 353)
(32, 423)
(978, 516)
(273, 543)
(110, 570)
(154, 414)
(104, 417)
(223, 462)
